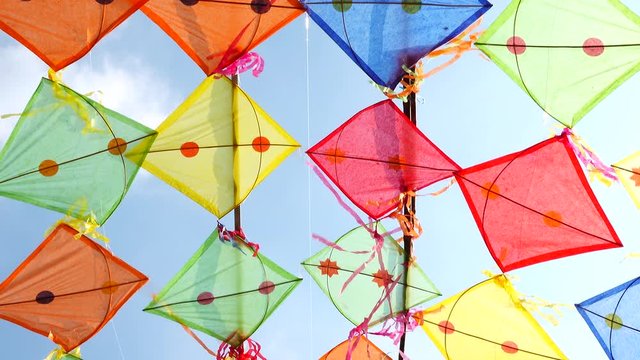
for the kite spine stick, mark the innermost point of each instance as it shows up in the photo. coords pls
(409, 109)
(237, 222)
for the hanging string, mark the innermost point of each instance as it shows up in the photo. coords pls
(308, 105)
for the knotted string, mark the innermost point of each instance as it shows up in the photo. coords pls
(252, 352)
(235, 237)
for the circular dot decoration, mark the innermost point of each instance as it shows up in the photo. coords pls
(491, 194)
(48, 168)
(104, 2)
(266, 287)
(109, 287)
(189, 2)
(446, 327)
(117, 146)
(613, 321)
(593, 47)
(411, 6)
(260, 144)
(205, 298)
(189, 149)
(552, 219)
(45, 297)
(342, 5)
(260, 6)
(516, 45)
(509, 347)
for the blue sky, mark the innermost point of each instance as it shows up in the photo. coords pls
(472, 111)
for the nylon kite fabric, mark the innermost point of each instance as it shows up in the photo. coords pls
(218, 146)
(224, 291)
(383, 35)
(364, 350)
(488, 321)
(61, 32)
(536, 205)
(216, 33)
(379, 154)
(70, 154)
(614, 320)
(365, 277)
(628, 171)
(566, 60)
(68, 288)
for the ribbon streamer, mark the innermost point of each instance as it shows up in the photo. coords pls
(249, 61)
(595, 167)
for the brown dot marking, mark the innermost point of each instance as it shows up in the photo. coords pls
(516, 45)
(48, 168)
(493, 191)
(593, 47)
(446, 327)
(117, 146)
(509, 347)
(552, 219)
(45, 297)
(260, 144)
(266, 287)
(205, 298)
(109, 287)
(189, 149)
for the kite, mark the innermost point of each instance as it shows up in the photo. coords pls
(61, 32)
(536, 205)
(226, 290)
(628, 171)
(613, 318)
(364, 275)
(218, 146)
(383, 35)
(68, 288)
(377, 155)
(488, 321)
(364, 350)
(70, 154)
(566, 60)
(215, 33)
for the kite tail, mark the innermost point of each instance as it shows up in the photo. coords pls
(402, 323)
(408, 221)
(249, 61)
(595, 167)
(252, 352)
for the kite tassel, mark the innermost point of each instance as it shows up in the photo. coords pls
(252, 352)
(249, 61)
(596, 168)
(395, 327)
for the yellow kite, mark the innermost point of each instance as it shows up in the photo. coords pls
(218, 146)
(628, 171)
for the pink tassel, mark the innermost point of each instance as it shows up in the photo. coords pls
(249, 61)
(239, 353)
(587, 157)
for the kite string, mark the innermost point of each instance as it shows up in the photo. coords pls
(308, 109)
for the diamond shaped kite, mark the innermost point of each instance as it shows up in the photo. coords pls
(567, 55)
(70, 154)
(614, 320)
(224, 291)
(68, 288)
(628, 171)
(218, 146)
(487, 321)
(379, 154)
(381, 36)
(61, 32)
(536, 205)
(216, 33)
(364, 350)
(356, 277)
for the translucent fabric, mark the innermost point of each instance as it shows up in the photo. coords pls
(68, 288)
(488, 321)
(224, 291)
(216, 33)
(536, 205)
(567, 55)
(364, 350)
(218, 146)
(381, 36)
(368, 283)
(379, 154)
(614, 320)
(628, 171)
(62, 31)
(70, 154)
